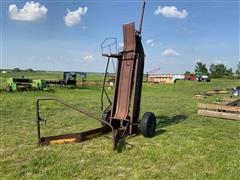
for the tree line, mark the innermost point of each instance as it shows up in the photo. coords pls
(216, 71)
(21, 70)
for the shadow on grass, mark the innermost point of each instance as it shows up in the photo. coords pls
(159, 132)
(163, 121)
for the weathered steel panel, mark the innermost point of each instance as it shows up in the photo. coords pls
(126, 73)
(71, 138)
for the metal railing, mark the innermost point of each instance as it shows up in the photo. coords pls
(39, 119)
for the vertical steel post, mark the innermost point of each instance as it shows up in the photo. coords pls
(141, 17)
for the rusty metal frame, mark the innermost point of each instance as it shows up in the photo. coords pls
(130, 72)
(128, 83)
(125, 108)
(78, 136)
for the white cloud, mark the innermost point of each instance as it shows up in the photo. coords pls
(74, 17)
(31, 11)
(88, 58)
(149, 41)
(170, 52)
(171, 11)
(199, 60)
(152, 43)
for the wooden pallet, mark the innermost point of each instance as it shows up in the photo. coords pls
(227, 110)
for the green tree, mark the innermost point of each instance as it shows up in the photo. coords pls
(187, 73)
(229, 73)
(29, 70)
(220, 71)
(238, 69)
(200, 67)
(16, 70)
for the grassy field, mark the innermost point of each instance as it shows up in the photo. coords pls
(186, 146)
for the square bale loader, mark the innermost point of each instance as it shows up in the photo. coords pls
(121, 116)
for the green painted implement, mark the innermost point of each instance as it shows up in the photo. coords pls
(25, 84)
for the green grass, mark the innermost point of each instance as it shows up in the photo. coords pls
(186, 146)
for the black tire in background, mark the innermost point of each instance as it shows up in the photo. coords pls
(148, 124)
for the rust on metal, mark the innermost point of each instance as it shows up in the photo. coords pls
(78, 136)
(126, 73)
(74, 137)
(141, 17)
(121, 117)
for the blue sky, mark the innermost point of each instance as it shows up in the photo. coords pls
(175, 37)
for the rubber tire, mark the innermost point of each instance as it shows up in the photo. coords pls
(148, 124)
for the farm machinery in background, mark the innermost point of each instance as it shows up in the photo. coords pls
(153, 77)
(164, 78)
(198, 76)
(172, 78)
(25, 84)
(121, 116)
(70, 79)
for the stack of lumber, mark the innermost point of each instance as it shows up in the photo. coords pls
(217, 91)
(213, 92)
(229, 110)
(199, 96)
